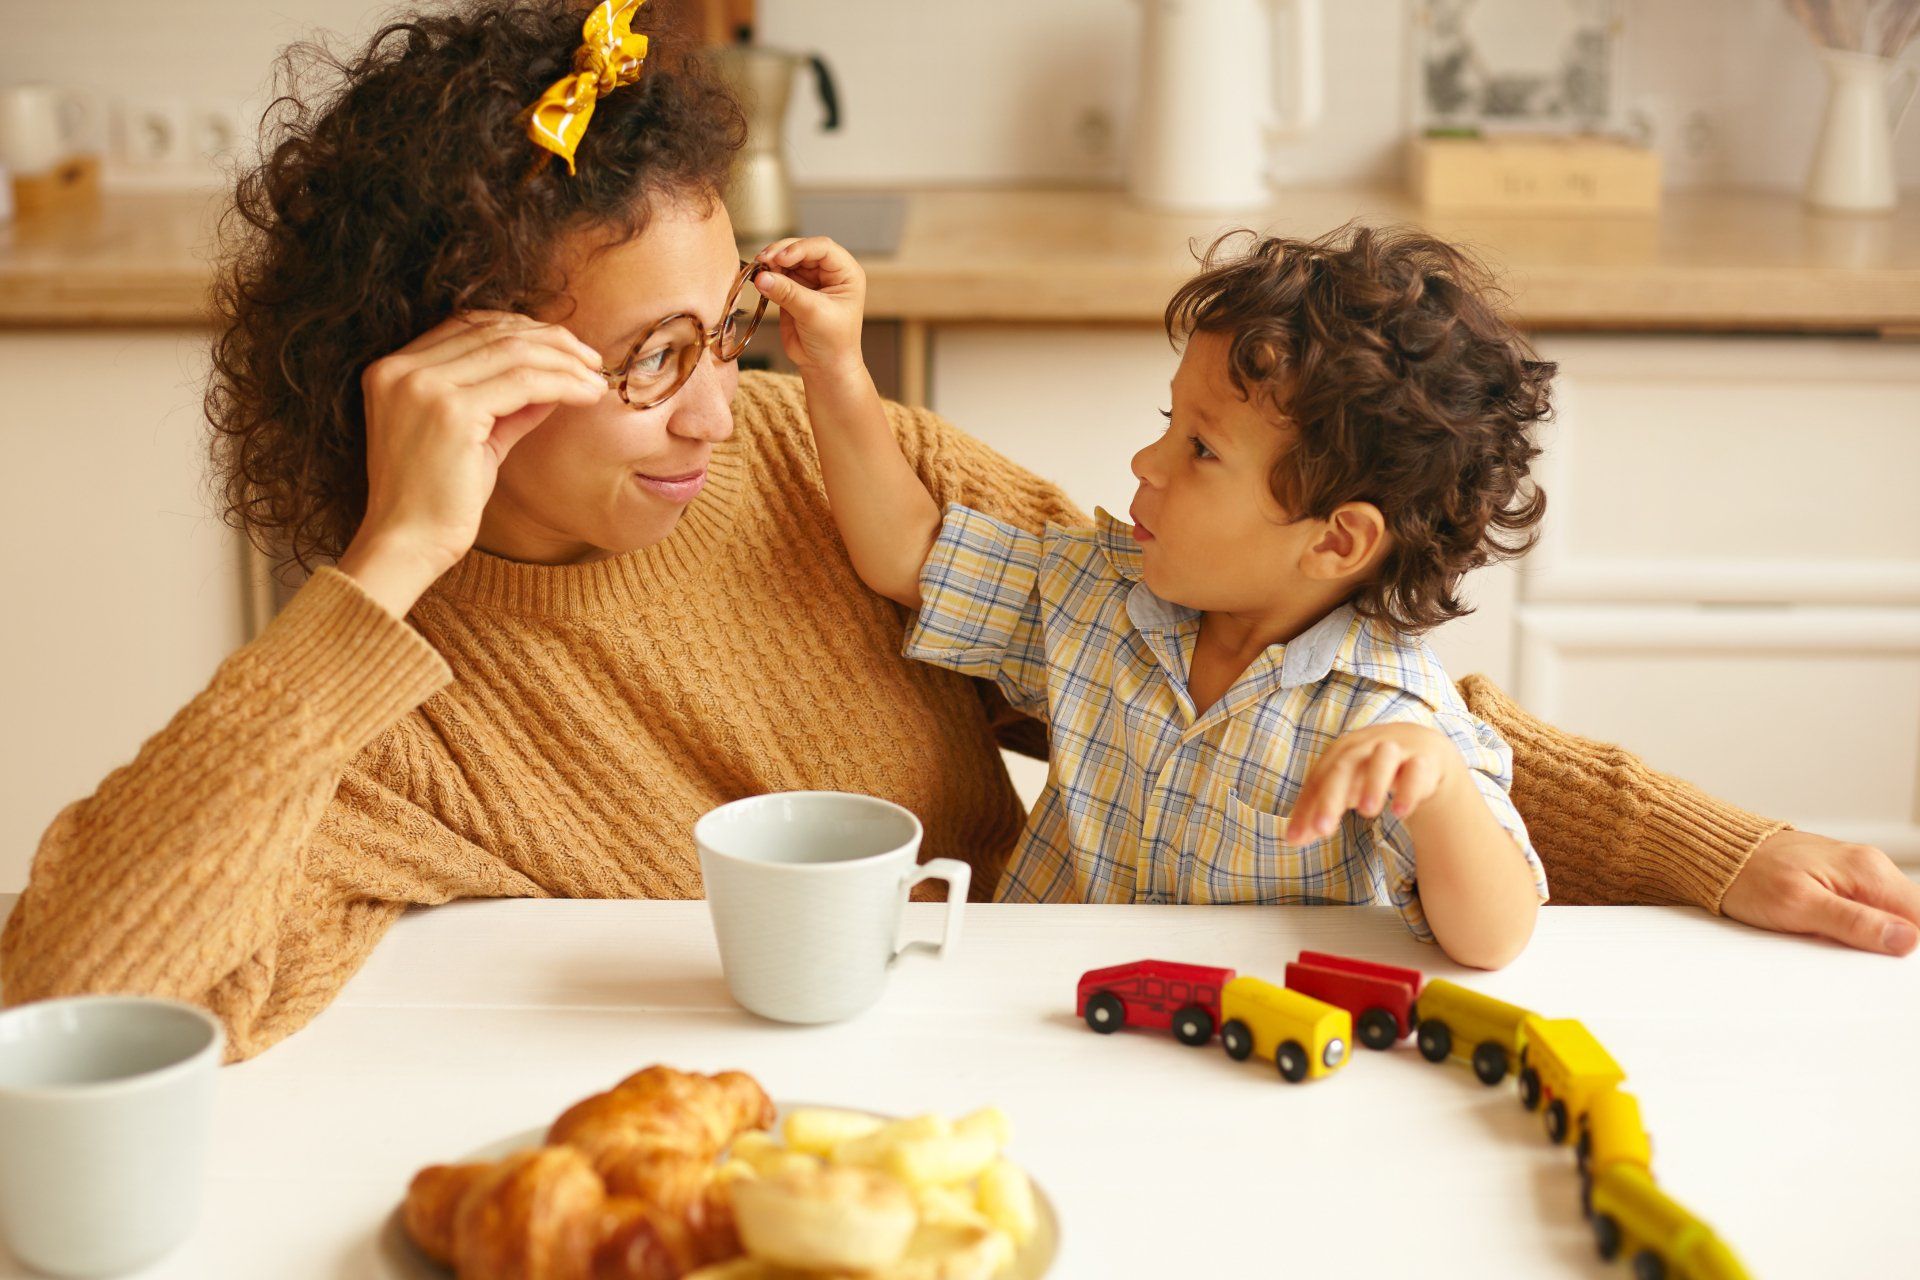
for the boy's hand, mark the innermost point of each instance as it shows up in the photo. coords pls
(821, 292)
(1410, 761)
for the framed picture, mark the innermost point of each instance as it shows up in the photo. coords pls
(1516, 65)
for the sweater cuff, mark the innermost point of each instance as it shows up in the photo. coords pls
(348, 662)
(1697, 845)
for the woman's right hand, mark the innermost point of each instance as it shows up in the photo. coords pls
(442, 413)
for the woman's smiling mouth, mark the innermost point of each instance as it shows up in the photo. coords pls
(680, 488)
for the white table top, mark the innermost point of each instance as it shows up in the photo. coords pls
(1775, 1074)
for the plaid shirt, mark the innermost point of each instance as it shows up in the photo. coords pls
(1145, 801)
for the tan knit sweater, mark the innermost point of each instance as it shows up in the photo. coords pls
(556, 730)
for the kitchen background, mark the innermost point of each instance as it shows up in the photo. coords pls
(1731, 581)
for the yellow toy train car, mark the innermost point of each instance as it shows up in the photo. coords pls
(1453, 1021)
(1305, 1037)
(1611, 1133)
(1632, 1216)
(1563, 1069)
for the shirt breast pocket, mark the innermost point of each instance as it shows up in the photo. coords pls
(1256, 864)
(1248, 857)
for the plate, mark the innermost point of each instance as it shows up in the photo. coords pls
(399, 1258)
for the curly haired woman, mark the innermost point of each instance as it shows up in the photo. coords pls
(554, 621)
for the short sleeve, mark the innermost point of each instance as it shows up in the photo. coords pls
(980, 607)
(1387, 842)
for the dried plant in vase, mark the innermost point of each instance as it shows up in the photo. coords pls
(1859, 42)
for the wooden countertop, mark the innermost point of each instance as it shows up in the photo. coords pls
(1711, 260)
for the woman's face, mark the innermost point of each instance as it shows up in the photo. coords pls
(586, 484)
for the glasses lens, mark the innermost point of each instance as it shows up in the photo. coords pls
(663, 361)
(737, 329)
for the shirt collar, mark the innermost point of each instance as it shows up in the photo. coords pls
(1309, 656)
(1115, 539)
(1342, 641)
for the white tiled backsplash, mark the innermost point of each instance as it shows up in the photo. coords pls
(991, 90)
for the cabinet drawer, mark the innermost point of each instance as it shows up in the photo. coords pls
(1807, 714)
(1731, 469)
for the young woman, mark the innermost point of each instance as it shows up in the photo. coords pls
(578, 581)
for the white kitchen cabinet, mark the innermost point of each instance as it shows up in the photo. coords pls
(121, 586)
(1729, 577)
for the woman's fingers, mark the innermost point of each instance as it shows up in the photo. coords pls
(513, 389)
(520, 400)
(1858, 925)
(471, 330)
(513, 350)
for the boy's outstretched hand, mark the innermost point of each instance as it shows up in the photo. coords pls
(822, 293)
(1362, 768)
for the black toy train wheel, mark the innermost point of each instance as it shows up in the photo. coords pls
(1237, 1039)
(1606, 1237)
(1291, 1058)
(1647, 1265)
(1105, 1012)
(1583, 1149)
(1557, 1121)
(1193, 1025)
(1436, 1041)
(1530, 1088)
(1586, 1196)
(1489, 1063)
(1377, 1029)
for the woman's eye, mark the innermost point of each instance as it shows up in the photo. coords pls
(1200, 449)
(652, 362)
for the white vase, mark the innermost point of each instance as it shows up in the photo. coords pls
(1853, 163)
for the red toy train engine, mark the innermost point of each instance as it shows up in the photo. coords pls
(1160, 994)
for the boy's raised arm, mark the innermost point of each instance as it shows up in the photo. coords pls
(886, 516)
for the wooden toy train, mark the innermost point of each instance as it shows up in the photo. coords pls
(1306, 1027)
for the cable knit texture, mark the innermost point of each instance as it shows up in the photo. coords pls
(556, 730)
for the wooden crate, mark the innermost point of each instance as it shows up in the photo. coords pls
(1534, 174)
(72, 184)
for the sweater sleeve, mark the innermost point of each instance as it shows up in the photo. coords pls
(1609, 829)
(957, 468)
(252, 853)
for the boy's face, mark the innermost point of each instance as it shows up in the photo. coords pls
(1213, 535)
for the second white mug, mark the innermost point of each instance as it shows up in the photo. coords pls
(807, 890)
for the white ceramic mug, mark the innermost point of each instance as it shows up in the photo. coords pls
(807, 890)
(37, 127)
(106, 1103)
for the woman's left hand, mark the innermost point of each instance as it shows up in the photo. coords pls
(1798, 882)
(821, 292)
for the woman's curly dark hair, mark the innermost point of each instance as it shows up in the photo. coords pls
(1382, 351)
(398, 190)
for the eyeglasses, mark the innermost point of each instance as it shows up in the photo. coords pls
(667, 354)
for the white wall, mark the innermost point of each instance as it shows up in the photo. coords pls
(1012, 90)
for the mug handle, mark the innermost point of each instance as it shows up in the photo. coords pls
(958, 876)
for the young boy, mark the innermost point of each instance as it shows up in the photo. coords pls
(1239, 707)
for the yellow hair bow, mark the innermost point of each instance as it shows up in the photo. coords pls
(609, 56)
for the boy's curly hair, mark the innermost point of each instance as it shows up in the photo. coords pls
(399, 188)
(1403, 387)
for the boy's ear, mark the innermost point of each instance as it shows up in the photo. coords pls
(1352, 540)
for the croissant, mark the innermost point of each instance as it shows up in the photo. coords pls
(624, 1189)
